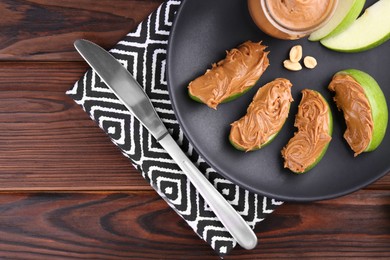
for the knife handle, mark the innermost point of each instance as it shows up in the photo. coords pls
(229, 217)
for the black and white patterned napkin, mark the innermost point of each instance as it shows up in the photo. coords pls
(143, 53)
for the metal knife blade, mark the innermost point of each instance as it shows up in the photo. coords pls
(119, 80)
(127, 89)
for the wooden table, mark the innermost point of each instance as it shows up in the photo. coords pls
(68, 193)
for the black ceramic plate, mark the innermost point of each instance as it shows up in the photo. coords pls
(202, 31)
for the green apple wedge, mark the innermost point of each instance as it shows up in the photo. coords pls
(230, 77)
(309, 144)
(371, 29)
(377, 102)
(265, 116)
(345, 14)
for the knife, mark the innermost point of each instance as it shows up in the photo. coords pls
(131, 94)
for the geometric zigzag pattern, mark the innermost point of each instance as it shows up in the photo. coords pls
(143, 53)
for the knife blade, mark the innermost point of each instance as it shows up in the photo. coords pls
(132, 95)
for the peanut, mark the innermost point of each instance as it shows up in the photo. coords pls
(294, 66)
(310, 62)
(296, 53)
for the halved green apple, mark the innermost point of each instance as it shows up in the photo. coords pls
(364, 106)
(345, 14)
(315, 127)
(371, 29)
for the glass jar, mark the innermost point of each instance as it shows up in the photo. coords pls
(291, 19)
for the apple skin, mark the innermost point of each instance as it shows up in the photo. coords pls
(370, 30)
(340, 21)
(378, 104)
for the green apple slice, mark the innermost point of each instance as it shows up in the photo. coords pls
(315, 127)
(371, 29)
(265, 116)
(345, 14)
(232, 76)
(378, 106)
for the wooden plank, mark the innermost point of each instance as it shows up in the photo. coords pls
(45, 30)
(48, 142)
(141, 225)
(349, 227)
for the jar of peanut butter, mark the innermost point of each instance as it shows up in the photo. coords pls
(291, 19)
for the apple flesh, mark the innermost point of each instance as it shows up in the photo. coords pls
(371, 29)
(345, 14)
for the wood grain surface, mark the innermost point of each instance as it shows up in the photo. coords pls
(46, 29)
(140, 225)
(66, 192)
(47, 141)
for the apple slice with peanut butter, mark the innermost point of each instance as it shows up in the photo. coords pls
(315, 126)
(364, 107)
(232, 76)
(265, 116)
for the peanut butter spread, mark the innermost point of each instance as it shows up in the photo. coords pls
(231, 76)
(299, 14)
(265, 116)
(313, 136)
(351, 99)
